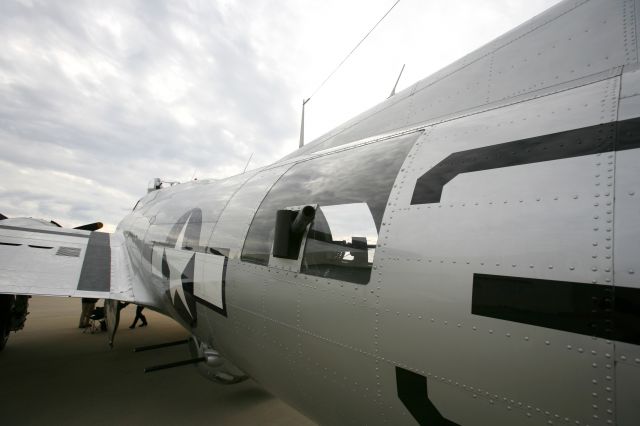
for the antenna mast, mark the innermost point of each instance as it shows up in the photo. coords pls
(393, 91)
(248, 161)
(304, 102)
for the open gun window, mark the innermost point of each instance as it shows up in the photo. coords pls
(341, 243)
(352, 188)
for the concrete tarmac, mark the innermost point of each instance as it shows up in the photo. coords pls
(52, 373)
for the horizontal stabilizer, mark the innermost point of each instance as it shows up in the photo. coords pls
(37, 258)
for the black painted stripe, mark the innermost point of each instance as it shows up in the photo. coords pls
(574, 143)
(608, 312)
(412, 391)
(10, 244)
(44, 231)
(96, 268)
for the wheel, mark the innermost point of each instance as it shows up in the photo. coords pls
(4, 335)
(6, 300)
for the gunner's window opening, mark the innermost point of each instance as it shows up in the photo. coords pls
(341, 243)
(351, 188)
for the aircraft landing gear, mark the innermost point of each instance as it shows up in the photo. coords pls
(6, 302)
(4, 336)
(13, 315)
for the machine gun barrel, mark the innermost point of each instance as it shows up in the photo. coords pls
(303, 218)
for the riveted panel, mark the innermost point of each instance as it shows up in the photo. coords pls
(357, 128)
(628, 398)
(627, 374)
(581, 43)
(630, 93)
(542, 217)
(429, 326)
(349, 376)
(549, 220)
(636, 11)
(340, 311)
(627, 218)
(280, 315)
(586, 106)
(468, 89)
(394, 115)
(268, 350)
(448, 395)
(281, 296)
(630, 39)
(244, 291)
(627, 262)
(249, 331)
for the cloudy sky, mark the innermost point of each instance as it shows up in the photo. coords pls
(97, 98)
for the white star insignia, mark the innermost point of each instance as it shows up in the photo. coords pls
(178, 260)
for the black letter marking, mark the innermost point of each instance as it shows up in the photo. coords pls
(608, 312)
(412, 391)
(556, 146)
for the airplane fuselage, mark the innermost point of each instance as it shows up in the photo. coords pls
(469, 262)
(466, 252)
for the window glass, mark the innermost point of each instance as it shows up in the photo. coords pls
(352, 188)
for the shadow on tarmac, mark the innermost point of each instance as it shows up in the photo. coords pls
(53, 373)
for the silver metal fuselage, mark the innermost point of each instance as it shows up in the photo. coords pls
(485, 195)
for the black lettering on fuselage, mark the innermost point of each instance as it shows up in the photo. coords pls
(607, 137)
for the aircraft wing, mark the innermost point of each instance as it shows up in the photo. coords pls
(36, 259)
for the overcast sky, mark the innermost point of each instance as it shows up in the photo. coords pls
(97, 98)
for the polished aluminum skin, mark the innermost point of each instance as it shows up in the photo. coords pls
(327, 332)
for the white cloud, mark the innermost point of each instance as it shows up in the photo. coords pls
(96, 98)
(168, 85)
